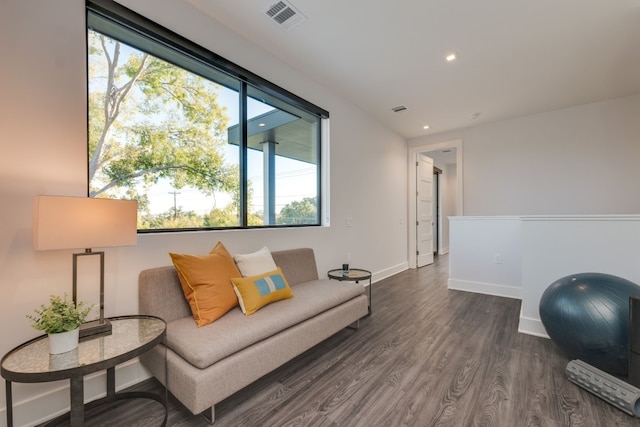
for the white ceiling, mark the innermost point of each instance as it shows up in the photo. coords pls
(443, 157)
(516, 57)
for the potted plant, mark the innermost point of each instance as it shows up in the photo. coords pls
(61, 320)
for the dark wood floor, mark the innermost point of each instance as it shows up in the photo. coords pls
(428, 356)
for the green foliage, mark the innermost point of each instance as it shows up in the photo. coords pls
(225, 217)
(61, 315)
(303, 211)
(255, 219)
(229, 217)
(172, 219)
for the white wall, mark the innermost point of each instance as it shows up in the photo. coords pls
(43, 139)
(485, 255)
(449, 201)
(578, 160)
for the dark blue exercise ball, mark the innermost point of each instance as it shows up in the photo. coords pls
(587, 316)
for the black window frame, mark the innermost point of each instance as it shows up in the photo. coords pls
(130, 21)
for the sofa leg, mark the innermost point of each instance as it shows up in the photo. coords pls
(209, 415)
(355, 325)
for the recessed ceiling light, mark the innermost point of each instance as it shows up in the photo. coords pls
(451, 57)
(262, 124)
(426, 127)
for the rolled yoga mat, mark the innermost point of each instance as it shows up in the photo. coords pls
(615, 391)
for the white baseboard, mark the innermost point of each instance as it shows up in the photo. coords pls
(505, 291)
(444, 251)
(531, 326)
(388, 272)
(40, 408)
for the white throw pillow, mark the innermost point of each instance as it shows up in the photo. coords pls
(254, 264)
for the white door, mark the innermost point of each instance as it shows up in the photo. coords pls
(424, 210)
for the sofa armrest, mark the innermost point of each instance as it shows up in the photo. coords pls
(160, 294)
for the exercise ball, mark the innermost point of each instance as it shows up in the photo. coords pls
(587, 316)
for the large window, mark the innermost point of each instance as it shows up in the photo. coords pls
(197, 140)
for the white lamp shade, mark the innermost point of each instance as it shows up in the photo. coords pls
(62, 222)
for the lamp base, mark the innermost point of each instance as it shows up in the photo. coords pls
(95, 328)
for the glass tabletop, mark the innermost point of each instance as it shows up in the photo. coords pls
(351, 274)
(129, 334)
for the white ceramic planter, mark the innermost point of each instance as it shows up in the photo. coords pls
(63, 341)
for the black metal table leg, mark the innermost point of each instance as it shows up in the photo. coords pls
(77, 401)
(111, 383)
(9, 401)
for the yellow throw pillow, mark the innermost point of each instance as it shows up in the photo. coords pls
(257, 291)
(206, 283)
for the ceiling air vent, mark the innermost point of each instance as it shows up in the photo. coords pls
(398, 108)
(285, 15)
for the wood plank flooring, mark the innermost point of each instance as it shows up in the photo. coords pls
(427, 356)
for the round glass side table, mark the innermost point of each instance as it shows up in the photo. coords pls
(131, 336)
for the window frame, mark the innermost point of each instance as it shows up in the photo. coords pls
(128, 22)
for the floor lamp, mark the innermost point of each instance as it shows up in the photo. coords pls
(62, 222)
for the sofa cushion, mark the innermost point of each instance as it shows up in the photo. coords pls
(257, 291)
(255, 263)
(234, 331)
(298, 265)
(206, 283)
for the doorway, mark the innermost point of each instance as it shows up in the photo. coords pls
(450, 197)
(437, 210)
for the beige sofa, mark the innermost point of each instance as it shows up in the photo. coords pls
(207, 364)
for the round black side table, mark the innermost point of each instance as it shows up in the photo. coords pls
(353, 275)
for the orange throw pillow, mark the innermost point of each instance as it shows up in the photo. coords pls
(206, 283)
